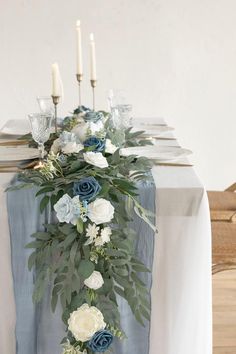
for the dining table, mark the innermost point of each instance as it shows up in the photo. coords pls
(181, 296)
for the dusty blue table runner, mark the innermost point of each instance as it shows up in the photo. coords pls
(38, 331)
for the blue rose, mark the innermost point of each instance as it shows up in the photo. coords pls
(81, 109)
(99, 144)
(91, 116)
(100, 341)
(87, 188)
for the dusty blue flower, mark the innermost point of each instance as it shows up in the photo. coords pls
(65, 210)
(98, 144)
(69, 209)
(82, 109)
(91, 116)
(68, 137)
(100, 341)
(87, 188)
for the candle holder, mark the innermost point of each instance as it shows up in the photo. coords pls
(93, 84)
(55, 100)
(79, 79)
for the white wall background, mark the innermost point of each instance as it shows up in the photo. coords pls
(175, 59)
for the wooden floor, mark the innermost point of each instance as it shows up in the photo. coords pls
(224, 312)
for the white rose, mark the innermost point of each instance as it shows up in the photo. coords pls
(95, 281)
(85, 321)
(100, 211)
(72, 147)
(81, 130)
(109, 147)
(96, 159)
(55, 146)
(96, 127)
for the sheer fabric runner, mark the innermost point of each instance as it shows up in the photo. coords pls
(38, 331)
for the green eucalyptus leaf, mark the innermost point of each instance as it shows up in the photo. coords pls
(69, 239)
(86, 251)
(119, 291)
(54, 301)
(66, 229)
(68, 292)
(124, 282)
(44, 190)
(75, 166)
(139, 317)
(34, 244)
(41, 235)
(31, 260)
(114, 252)
(118, 262)
(86, 268)
(76, 283)
(123, 272)
(144, 313)
(80, 226)
(73, 251)
(53, 229)
(44, 202)
(60, 278)
(63, 300)
(104, 191)
(140, 268)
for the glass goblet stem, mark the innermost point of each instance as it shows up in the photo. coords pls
(41, 151)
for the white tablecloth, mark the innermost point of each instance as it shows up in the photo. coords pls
(181, 321)
(181, 290)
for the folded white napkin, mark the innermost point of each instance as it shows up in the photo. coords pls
(160, 153)
(16, 127)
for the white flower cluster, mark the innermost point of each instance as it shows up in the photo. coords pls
(67, 143)
(85, 322)
(72, 142)
(98, 236)
(69, 210)
(83, 129)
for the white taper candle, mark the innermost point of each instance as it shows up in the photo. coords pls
(79, 49)
(93, 58)
(56, 80)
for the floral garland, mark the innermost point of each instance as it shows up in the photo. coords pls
(88, 253)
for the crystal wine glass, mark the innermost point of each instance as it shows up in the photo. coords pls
(45, 104)
(120, 109)
(40, 128)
